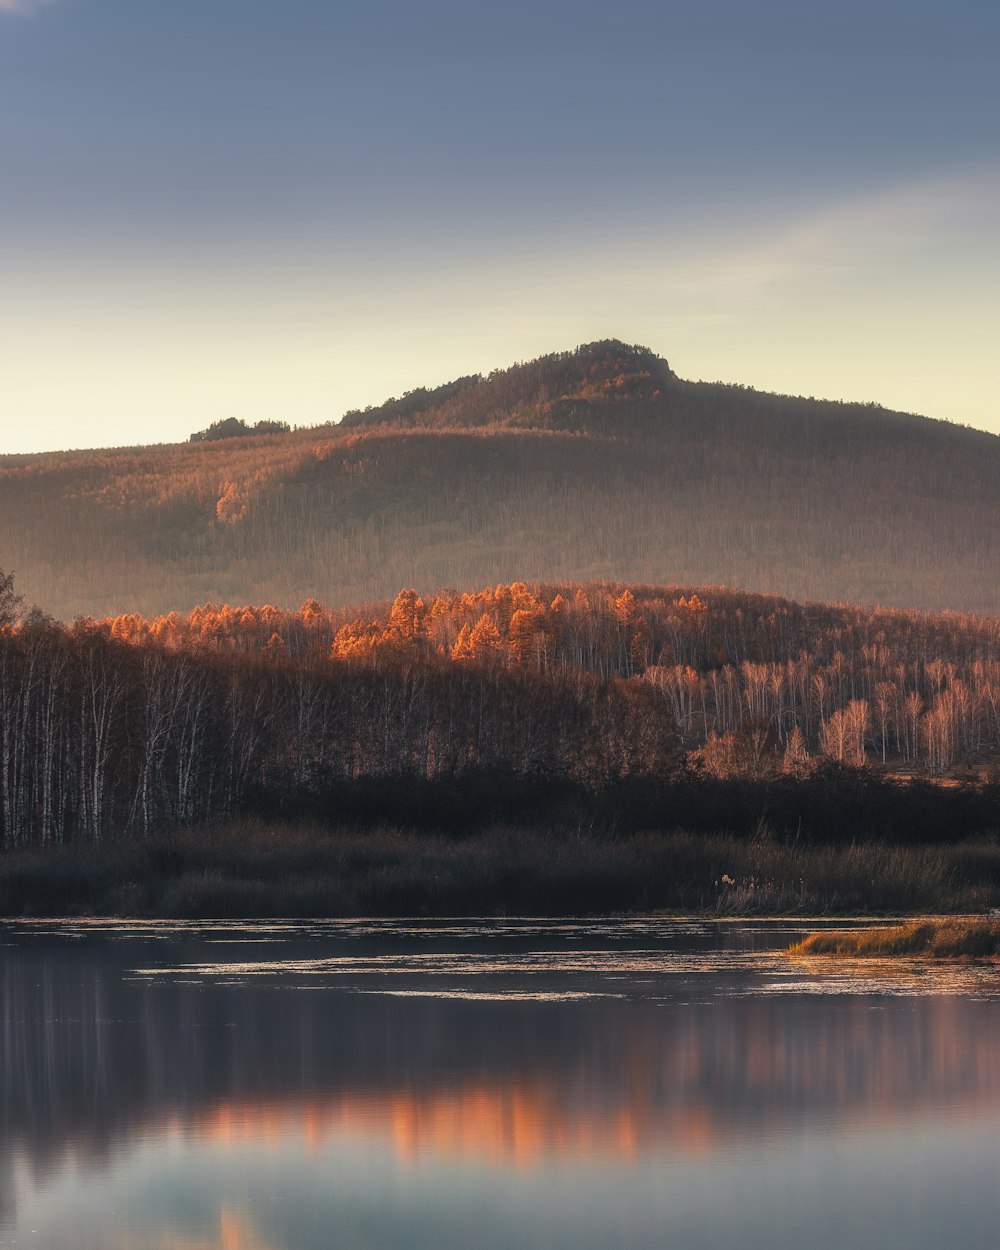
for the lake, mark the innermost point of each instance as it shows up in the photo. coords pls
(476, 1085)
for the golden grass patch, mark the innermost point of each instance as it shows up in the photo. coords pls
(959, 938)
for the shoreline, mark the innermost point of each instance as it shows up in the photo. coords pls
(246, 869)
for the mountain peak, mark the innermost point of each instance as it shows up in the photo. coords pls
(582, 389)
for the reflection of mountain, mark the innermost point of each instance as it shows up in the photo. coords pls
(88, 1058)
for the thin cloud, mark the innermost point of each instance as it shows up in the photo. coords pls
(23, 7)
(936, 215)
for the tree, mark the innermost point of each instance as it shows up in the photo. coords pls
(886, 698)
(858, 717)
(835, 736)
(796, 760)
(463, 650)
(522, 633)
(406, 617)
(9, 601)
(236, 427)
(231, 506)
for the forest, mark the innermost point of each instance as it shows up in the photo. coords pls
(754, 683)
(597, 463)
(128, 726)
(553, 746)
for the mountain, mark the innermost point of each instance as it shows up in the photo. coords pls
(593, 463)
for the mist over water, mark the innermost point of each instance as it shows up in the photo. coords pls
(291, 1087)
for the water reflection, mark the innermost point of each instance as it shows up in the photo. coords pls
(186, 1088)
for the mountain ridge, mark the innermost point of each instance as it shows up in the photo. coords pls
(598, 463)
(608, 374)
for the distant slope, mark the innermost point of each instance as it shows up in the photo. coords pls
(597, 463)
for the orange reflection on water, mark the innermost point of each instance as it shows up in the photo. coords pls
(623, 1082)
(691, 1088)
(235, 1233)
(516, 1126)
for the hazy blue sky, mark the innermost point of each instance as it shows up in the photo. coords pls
(214, 208)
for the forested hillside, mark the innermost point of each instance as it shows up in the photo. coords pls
(752, 683)
(131, 726)
(597, 463)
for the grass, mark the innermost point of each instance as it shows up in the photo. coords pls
(959, 938)
(248, 869)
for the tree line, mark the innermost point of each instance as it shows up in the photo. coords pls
(236, 427)
(100, 736)
(593, 705)
(754, 682)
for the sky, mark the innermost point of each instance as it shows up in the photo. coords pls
(253, 209)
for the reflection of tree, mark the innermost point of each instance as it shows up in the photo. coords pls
(8, 1195)
(90, 1057)
(235, 1233)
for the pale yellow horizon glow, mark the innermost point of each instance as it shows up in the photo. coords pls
(887, 298)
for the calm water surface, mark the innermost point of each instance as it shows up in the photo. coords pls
(532, 1084)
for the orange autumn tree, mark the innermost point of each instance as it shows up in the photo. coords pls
(855, 685)
(407, 617)
(463, 650)
(484, 640)
(525, 635)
